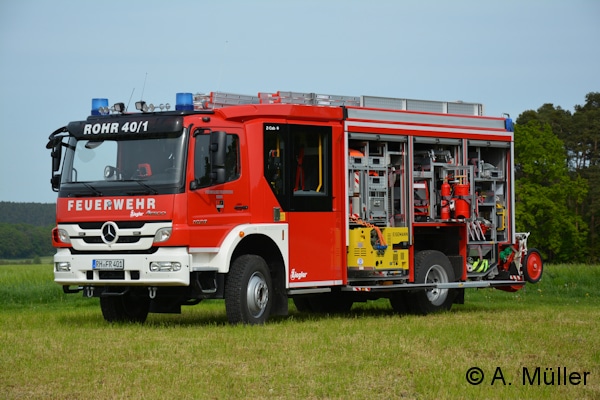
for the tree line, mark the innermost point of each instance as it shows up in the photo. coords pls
(25, 229)
(557, 170)
(25, 241)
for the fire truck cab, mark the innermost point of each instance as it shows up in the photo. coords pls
(327, 200)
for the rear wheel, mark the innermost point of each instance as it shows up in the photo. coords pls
(532, 266)
(248, 291)
(432, 266)
(129, 307)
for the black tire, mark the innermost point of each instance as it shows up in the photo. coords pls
(302, 304)
(248, 291)
(333, 303)
(400, 302)
(532, 266)
(432, 266)
(128, 307)
(324, 303)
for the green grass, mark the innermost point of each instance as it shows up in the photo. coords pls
(58, 346)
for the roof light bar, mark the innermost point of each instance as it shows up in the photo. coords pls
(119, 107)
(141, 106)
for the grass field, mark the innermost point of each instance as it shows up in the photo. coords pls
(54, 346)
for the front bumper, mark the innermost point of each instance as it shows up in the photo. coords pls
(134, 272)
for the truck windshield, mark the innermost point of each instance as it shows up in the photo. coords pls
(122, 167)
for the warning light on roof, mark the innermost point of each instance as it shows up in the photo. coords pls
(98, 105)
(508, 123)
(184, 102)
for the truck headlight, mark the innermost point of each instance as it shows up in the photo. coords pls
(165, 266)
(162, 235)
(63, 266)
(61, 235)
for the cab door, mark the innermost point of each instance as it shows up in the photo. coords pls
(298, 166)
(215, 208)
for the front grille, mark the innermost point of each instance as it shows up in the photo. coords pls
(120, 224)
(114, 236)
(122, 239)
(151, 250)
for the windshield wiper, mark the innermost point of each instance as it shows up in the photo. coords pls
(149, 189)
(93, 189)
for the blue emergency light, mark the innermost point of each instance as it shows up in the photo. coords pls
(184, 102)
(508, 123)
(97, 104)
(510, 126)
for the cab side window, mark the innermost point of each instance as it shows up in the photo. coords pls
(202, 159)
(298, 166)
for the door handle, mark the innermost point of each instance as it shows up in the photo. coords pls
(240, 207)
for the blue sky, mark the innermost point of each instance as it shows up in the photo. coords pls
(55, 56)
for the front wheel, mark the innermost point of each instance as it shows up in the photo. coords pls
(248, 291)
(432, 266)
(532, 266)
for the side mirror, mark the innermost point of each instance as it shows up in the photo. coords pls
(55, 181)
(218, 149)
(55, 143)
(56, 158)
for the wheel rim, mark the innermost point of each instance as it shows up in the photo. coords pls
(436, 274)
(257, 295)
(534, 266)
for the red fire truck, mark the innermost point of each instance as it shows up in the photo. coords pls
(325, 200)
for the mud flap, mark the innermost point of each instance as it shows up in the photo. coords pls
(460, 296)
(458, 265)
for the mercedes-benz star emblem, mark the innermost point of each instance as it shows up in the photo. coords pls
(109, 232)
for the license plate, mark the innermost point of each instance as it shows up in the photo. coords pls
(110, 265)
